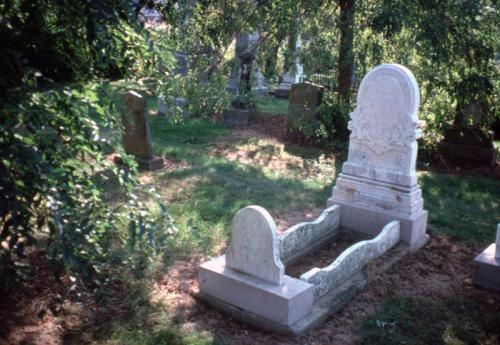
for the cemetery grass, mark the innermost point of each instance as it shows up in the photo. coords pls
(213, 171)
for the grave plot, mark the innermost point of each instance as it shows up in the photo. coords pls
(376, 195)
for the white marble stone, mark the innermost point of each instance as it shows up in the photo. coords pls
(380, 172)
(352, 260)
(497, 242)
(254, 248)
(284, 304)
(384, 127)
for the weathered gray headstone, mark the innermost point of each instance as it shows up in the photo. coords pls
(466, 143)
(304, 99)
(136, 134)
(378, 182)
(254, 245)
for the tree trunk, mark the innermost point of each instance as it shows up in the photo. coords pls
(346, 57)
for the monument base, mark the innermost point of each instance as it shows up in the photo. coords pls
(314, 313)
(487, 271)
(370, 222)
(367, 206)
(282, 304)
(263, 91)
(237, 117)
(150, 164)
(461, 154)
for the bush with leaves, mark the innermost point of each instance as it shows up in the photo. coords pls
(56, 183)
(325, 125)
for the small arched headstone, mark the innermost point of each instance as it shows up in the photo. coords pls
(254, 245)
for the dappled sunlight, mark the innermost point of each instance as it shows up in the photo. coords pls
(274, 157)
(463, 206)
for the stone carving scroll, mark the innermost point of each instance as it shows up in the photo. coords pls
(387, 107)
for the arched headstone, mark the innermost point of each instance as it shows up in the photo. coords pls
(254, 245)
(136, 136)
(378, 182)
(384, 127)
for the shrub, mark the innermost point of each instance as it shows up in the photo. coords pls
(54, 181)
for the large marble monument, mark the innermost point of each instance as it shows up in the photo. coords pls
(378, 182)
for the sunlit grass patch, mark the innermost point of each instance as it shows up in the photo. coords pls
(466, 207)
(414, 321)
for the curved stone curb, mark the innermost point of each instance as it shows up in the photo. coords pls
(352, 260)
(304, 237)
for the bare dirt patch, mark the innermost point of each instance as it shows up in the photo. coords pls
(46, 311)
(442, 269)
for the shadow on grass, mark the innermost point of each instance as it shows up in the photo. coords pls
(128, 317)
(464, 207)
(414, 321)
(220, 188)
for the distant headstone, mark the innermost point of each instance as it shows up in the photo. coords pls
(254, 245)
(136, 135)
(378, 182)
(304, 99)
(162, 106)
(466, 143)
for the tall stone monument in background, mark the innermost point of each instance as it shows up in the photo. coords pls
(293, 74)
(378, 182)
(185, 58)
(136, 136)
(240, 82)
